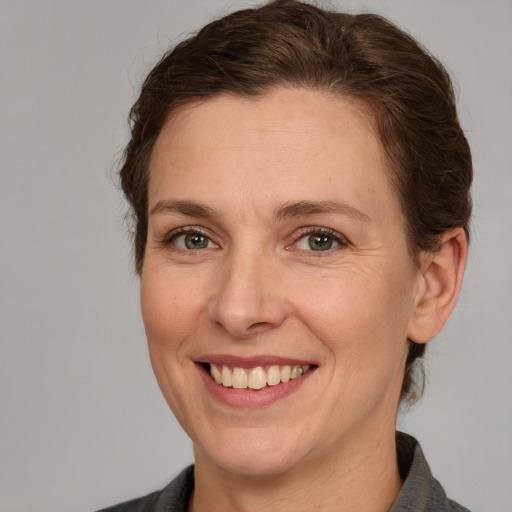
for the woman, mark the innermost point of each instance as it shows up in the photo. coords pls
(300, 186)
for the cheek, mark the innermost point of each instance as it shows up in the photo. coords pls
(361, 317)
(170, 308)
(171, 316)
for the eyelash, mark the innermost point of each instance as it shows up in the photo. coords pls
(304, 233)
(192, 230)
(314, 230)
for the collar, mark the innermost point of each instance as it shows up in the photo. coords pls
(420, 491)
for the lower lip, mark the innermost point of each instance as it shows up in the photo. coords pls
(251, 397)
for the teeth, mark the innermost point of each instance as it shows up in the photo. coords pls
(296, 372)
(216, 374)
(273, 376)
(256, 378)
(239, 378)
(226, 377)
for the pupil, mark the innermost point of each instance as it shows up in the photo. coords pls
(195, 241)
(320, 242)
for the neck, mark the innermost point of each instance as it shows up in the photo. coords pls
(363, 477)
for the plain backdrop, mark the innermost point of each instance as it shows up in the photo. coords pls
(82, 422)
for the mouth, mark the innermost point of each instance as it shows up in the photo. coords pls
(257, 377)
(249, 382)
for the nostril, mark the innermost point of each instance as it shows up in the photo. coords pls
(259, 327)
(239, 330)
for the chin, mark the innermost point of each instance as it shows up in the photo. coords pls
(252, 454)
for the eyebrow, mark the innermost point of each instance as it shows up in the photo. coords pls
(189, 208)
(305, 208)
(285, 211)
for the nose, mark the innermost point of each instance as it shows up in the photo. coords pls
(247, 301)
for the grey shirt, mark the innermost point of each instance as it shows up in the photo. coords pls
(421, 492)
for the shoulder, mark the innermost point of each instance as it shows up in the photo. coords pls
(420, 491)
(145, 504)
(173, 498)
(455, 507)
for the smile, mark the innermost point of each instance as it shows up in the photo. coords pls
(252, 382)
(256, 378)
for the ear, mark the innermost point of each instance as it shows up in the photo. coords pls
(441, 273)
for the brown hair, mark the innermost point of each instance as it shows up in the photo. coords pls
(363, 56)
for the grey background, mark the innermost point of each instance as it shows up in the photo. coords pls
(82, 422)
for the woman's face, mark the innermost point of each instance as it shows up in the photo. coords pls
(276, 245)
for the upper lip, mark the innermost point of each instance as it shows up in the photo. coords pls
(250, 362)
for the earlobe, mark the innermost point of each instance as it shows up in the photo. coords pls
(440, 282)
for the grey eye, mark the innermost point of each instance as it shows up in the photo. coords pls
(192, 241)
(317, 242)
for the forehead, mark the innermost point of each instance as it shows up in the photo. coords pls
(281, 110)
(290, 141)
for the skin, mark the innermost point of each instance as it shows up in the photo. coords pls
(257, 288)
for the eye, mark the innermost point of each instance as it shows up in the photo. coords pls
(192, 241)
(319, 240)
